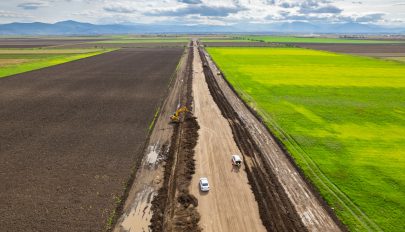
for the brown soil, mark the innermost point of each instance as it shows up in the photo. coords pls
(137, 211)
(230, 204)
(5, 62)
(174, 207)
(71, 134)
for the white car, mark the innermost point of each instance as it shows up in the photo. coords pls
(236, 160)
(204, 186)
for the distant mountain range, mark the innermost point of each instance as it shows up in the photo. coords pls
(78, 28)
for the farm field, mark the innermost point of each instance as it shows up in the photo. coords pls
(224, 40)
(37, 42)
(383, 51)
(14, 61)
(292, 39)
(341, 117)
(71, 135)
(144, 40)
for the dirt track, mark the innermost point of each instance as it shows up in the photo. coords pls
(271, 165)
(71, 134)
(230, 205)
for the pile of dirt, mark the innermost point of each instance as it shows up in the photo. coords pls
(161, 201)
(276, 210)
(186, 217)
(174, 208)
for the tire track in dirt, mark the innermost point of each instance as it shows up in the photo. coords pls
(230, 204)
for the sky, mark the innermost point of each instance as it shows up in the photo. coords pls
(205, 12)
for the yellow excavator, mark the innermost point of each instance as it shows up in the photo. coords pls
(176, 116)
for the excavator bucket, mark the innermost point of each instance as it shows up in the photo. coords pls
(176, 116)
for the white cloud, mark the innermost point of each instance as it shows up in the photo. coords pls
(207, 11)
(33, 5)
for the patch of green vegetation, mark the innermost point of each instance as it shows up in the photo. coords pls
(292, 39)
(154, 119)
(341, 117)
(42, 60)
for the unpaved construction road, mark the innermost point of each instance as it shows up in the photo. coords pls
(266, 194)
(230, 204)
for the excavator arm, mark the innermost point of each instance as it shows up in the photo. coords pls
(176, 116)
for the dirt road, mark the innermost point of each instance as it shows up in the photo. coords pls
(270, 157)
(230, 205)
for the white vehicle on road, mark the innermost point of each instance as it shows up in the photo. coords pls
(236, 160)
(204, 185)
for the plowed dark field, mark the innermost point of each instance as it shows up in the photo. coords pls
(35, 43)
(71, 134)
(238, 44)
(126, 45)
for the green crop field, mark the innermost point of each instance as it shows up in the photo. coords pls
(14, 61)
(292, 39)
(341, 117)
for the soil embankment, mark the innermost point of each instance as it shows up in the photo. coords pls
(174, 207)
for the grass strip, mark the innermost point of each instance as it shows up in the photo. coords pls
(45, 62)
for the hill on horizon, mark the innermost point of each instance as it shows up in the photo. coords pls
(71, 27)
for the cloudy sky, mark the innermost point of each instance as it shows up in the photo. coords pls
(213, 12)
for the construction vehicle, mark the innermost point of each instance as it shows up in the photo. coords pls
(176, 116)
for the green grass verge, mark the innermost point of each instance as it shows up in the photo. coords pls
(341, 117)
(291, 39)
(42, 61)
